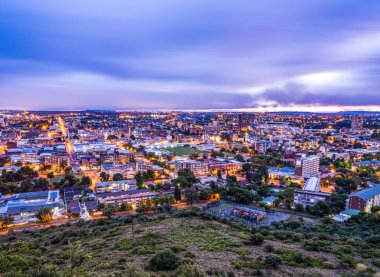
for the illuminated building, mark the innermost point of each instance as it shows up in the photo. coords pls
(307, 166)
(246, 120)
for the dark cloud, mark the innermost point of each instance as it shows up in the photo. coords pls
(215, 49)
(297, 94)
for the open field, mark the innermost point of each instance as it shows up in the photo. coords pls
(182, 150)
(110, 248)
(58, 178)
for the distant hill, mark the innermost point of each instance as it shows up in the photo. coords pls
(358, 112)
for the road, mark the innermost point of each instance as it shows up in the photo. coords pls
(69, 146)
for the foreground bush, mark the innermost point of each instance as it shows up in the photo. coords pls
(272, 261)
(165, 260)
(256, 239)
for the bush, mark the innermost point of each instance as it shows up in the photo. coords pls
(189, 255)
(269, 248)
(374, 239)
(165, 260)
(124, 244)
(56, 238)
(272, 261)
(256, 239)
(177, 248)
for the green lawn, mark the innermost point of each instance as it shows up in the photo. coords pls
(182, 150)
(58, 178)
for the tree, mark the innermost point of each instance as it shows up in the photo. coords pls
(117, 177)
(219, 175)
(168, 207)
(148, 175)
(68, 170)
(299, 208)
(245, 149)
(45, 215)
(185, 179)
(321, 208)
(237, 194)
(191, 195)
(231, 180)
(205, 194)
(240, 158)
(112, 137)
(177, 193)
(101, 207)
(5, 221)
(85, 181)
(50, 175)
(214, 187)
(338, 202)
(124, 207)
(104, 177)
(109, 211)
(139, 180)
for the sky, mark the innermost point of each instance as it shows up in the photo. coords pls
(272, 55)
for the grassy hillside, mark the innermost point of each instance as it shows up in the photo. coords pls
(196, 244)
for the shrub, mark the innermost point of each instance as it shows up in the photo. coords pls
(272, 261)
(256, 239)
(269, 248)
(177, 248)
(56, 238)
(165, 260)
(124, 244)
(374, 239)
(189, 255)
(149, 238)
(298, 259)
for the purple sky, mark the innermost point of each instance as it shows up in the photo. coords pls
(190, 54)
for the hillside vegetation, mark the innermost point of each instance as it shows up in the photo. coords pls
(192, 243)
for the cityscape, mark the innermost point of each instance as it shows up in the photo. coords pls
(189, 139)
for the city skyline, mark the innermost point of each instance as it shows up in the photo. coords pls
(190, 55)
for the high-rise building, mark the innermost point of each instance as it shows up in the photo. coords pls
(246, 120)
(307, 166)
(357, 122)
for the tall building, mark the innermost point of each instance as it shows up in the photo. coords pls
(261, 146)
(246, 120)
(357, 122)
(307, 166)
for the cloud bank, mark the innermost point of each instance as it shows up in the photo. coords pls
(190, 54)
